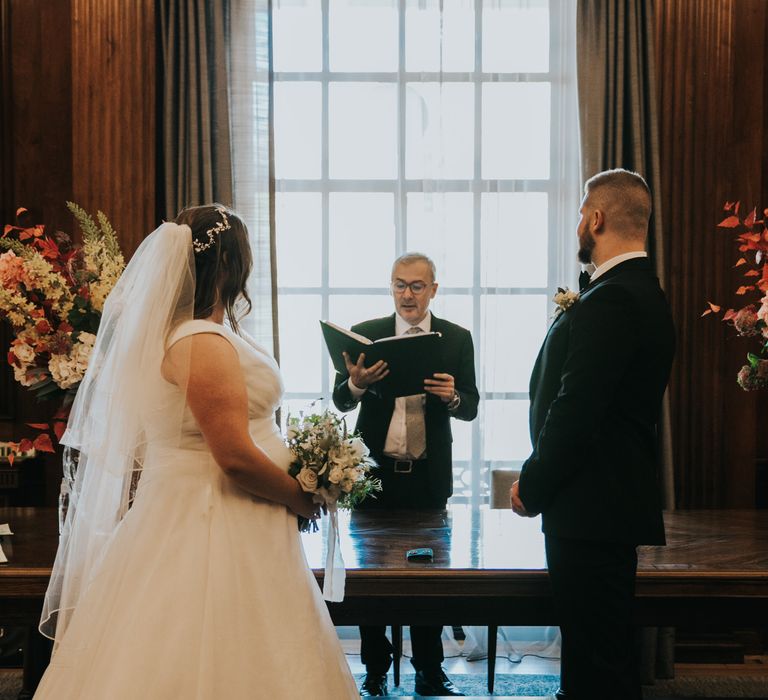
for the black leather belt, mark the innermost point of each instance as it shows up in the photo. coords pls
(402, 466)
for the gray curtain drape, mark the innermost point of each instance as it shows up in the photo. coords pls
(618, 123)
(196, 146)
(217, 128)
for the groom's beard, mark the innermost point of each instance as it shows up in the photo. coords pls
(586, 246)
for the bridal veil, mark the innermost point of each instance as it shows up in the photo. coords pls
(122, 392)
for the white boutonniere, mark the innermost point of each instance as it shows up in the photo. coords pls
(564, 299)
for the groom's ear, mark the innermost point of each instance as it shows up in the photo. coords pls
(597, 221)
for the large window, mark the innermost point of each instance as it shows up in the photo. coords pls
(444, 127)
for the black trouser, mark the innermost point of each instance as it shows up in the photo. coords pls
(593, 584)
(376, 649)
(402, 490)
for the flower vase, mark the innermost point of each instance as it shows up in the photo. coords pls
(70, 463)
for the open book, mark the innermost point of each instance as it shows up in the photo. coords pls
(410, 358)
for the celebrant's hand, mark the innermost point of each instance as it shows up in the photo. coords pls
(517, 504)
(362, 377)
(442, 385)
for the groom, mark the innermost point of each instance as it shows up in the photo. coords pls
(596, 392)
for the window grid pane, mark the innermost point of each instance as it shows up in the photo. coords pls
(376, 146)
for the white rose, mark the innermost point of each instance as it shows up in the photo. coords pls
(86, 338)
(24, 352)
(336, 475)
(347, 485)
(307, 479)
(358, 449)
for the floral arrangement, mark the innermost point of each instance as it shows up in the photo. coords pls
(329, 462)
(751, 320)
(52, 293)
(564, 299)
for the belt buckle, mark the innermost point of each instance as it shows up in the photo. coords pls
(406, 468)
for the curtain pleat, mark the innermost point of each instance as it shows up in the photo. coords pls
(250, 85)
(196, 132)
(618, 122)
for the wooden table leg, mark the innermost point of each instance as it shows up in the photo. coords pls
(397, 643)
(492, 633)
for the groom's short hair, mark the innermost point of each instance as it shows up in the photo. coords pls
(625, 198)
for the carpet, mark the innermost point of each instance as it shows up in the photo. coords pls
(474, 684)
(730, 686)
(733, 685)
(477, 684)
(10, 684)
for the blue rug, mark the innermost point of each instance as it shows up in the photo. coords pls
(477, 684)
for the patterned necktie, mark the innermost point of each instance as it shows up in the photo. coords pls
(415, 430)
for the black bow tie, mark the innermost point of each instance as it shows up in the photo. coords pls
(584, 278)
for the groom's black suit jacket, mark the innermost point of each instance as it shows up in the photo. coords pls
(596, 392)
(458, 358)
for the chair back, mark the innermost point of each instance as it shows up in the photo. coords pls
(501, 482)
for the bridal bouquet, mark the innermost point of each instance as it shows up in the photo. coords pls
(329, 462)
(52, 293)
(334, 466)
(751, 320)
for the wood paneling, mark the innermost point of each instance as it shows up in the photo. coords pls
(77, 122)
(712, 83)
(37, 109)
(113, 97)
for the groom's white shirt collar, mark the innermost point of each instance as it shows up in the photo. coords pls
(608, 264)
(401, 325)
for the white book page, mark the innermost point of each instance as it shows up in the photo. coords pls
(351, 334)
(404, 336)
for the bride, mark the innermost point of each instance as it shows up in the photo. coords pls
(201, 590)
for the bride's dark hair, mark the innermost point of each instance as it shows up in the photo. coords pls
(223, 260)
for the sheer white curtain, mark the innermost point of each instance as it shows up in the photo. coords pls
(444, 126)
(250, 108)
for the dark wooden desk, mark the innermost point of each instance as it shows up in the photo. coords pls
(488, 569)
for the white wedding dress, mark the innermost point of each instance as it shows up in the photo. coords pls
(204, 592)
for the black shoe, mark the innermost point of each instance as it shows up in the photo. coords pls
(374, 685)
(435, 683)
(560, 694)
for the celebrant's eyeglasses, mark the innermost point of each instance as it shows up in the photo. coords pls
(417, 287)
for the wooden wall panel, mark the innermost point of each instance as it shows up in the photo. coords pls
(711, 75)
(37, 109)
(113, 96)
(77, 121)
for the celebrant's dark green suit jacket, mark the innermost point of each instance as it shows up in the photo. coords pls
(596, 393)
(458, 358)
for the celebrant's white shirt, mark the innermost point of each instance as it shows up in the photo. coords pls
(395, 444)
(616, 260)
